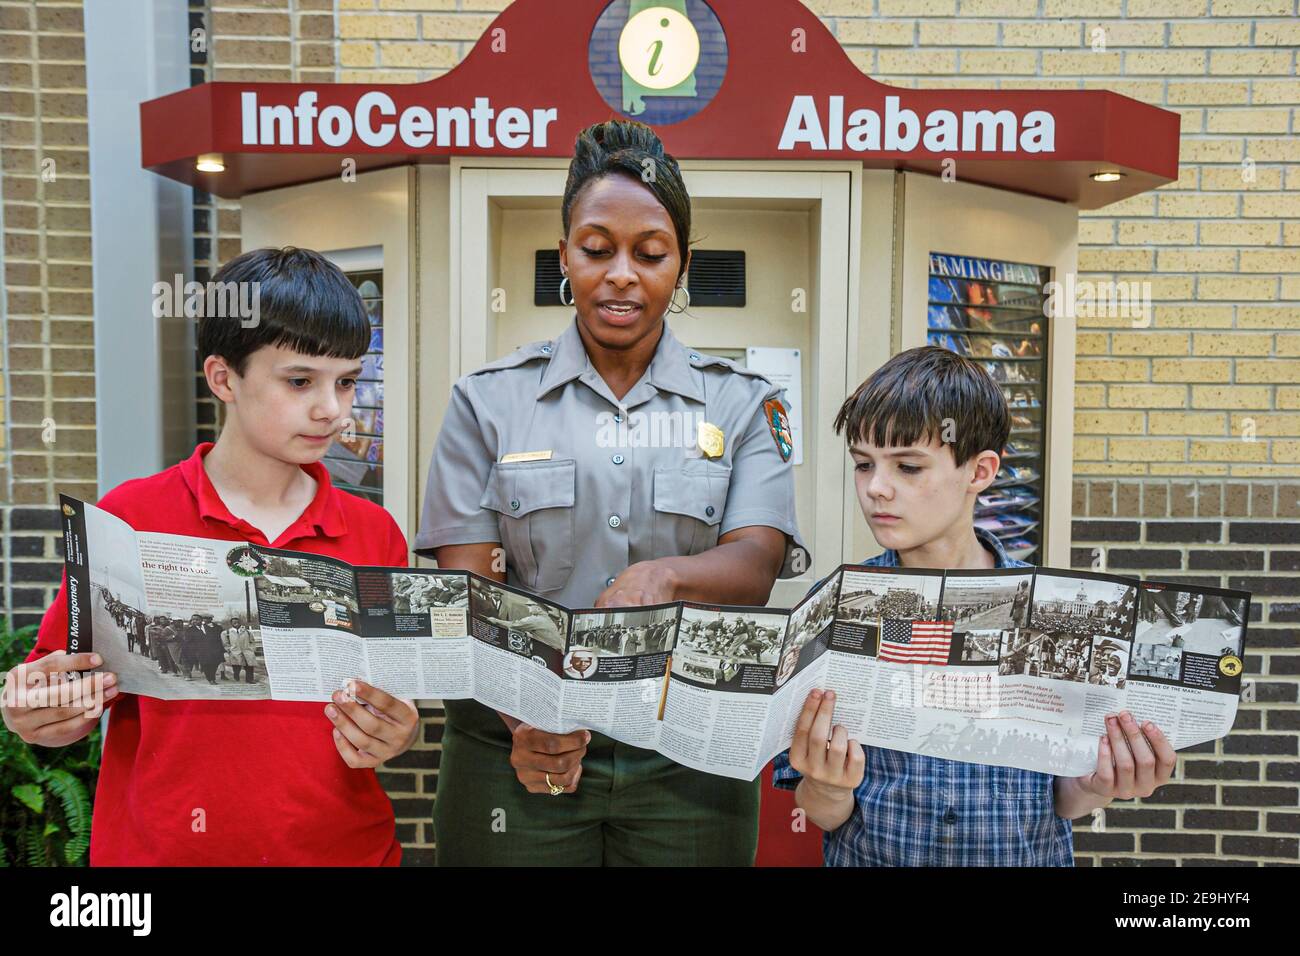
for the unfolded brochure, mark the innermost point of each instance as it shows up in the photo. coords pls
(1014, 667)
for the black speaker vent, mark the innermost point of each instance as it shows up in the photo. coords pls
(717, 278)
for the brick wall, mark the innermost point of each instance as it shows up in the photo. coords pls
(265, 41)
(48, 439)
(1187, 423)
(1231, 798)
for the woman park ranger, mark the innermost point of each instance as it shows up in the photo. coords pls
(556, 455)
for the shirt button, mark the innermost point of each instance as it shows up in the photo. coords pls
(709, 511)
(695, 356)
(546, 350)
(617, 459)
(618, 419)
(609, 582)
(950, 817)
(514, 504)
(615, 521)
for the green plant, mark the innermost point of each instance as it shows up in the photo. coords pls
(45, 793)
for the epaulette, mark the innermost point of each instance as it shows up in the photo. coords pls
(521, 356)
(704, 360)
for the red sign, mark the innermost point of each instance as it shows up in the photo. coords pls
(726, 79)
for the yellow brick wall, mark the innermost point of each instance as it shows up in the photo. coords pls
(49, 359)
(267, 41)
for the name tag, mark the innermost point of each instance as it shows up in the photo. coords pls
(527, 456)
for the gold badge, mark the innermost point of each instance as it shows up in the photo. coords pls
(710, 440)
(528, 456)
(1230, 665)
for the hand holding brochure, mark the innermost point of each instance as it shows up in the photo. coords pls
(1015, 667)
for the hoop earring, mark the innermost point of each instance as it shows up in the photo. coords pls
(563, 283)
(674, 300)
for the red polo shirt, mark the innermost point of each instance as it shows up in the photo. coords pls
(271, 786)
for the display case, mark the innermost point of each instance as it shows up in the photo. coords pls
(992, 311)
(977, 277)
(356, 459)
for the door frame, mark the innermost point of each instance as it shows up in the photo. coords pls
(835, 189)
(355, 223)
(969, 219)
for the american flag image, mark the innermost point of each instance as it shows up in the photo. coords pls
(915, 642)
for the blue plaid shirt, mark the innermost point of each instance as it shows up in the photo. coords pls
(915, 810)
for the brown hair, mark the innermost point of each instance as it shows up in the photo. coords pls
(917, 394)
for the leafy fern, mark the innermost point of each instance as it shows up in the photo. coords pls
(45, 793)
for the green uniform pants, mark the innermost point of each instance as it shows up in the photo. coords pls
(633, 807)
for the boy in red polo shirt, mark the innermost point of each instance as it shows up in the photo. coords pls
(204, 782)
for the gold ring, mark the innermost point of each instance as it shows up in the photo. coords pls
(555, 790)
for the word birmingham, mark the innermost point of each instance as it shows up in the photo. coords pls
(375, 121)
(982, 131)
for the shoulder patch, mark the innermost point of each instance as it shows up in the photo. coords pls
(779, 425)
(520, 356)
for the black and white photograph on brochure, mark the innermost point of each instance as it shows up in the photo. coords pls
(417, 592)
(808, 622)
(1157, 662)
(977, 647)
(1109, 667)
(1060, 655)
(581, 663)
(1015, 651)
(981, 602)
(870, 596)
(745, 637)
(619, 633)
(525, 620)
(718, 647)
(166, 650)
(312, 591)
(1083, 604)
(1200, 620)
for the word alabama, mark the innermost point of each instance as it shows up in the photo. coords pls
(901, 130)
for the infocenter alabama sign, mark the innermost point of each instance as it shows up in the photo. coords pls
(723, 79)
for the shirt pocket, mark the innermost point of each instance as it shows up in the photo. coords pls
(535, 514)
(1012, 783)
(689, 502)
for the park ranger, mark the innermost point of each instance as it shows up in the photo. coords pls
(610, 466)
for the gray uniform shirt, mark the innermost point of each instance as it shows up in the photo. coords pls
(625, 481)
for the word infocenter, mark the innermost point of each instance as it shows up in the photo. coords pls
(375, 121)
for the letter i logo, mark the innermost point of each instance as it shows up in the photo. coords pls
(648, 58)
(659, 48)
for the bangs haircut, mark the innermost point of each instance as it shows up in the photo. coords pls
(305, 303)
(908, 399)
